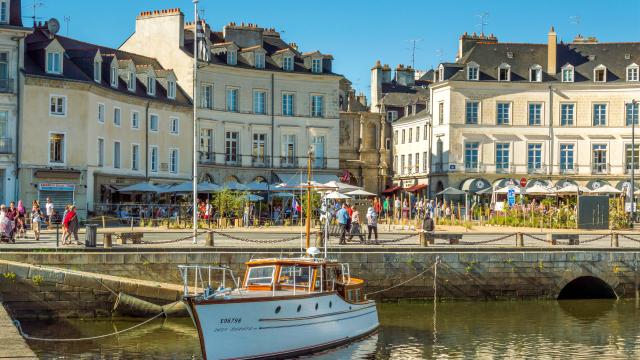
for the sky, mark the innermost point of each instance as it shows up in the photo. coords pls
(359, 32)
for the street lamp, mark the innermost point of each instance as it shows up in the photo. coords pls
(634, 112)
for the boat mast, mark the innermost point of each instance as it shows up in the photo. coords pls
(196, 35)
(308, 219)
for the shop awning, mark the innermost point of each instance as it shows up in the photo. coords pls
(392, 189)
(474, 185)
(416, 188)
(538, 182)
(624, 184)
(564, 183)
(597, 183)
(292, 179)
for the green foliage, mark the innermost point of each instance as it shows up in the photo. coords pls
(315, 201)
(9, 276)
(229, 203)
(37, 280)
(618, 218)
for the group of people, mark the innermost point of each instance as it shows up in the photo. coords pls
(348, 218)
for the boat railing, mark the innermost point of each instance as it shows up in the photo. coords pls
(346, 274)
(197, 280)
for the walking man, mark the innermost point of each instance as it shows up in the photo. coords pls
(343, 220)
(49, 210)
(372, 223)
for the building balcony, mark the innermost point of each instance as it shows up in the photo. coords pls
(536, 169)
(600, 169)
(6, 145)
(565, 170)
(474, 168)
(260, 161)
(505, 169)
(7, 86)
(288, 161)
(627, 168)
(319, 163)
(206, 158)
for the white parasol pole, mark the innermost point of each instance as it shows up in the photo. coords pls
(195, 123)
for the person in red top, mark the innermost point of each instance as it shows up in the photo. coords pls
(377, 206)
(349, 210)
(70, 223)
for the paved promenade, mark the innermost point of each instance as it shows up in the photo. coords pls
(13, 345)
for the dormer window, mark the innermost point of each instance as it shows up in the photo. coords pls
(232, 57)
(54, 62)
(535, 73)
(287, 63)
(600, 74)
(171, 89)
(440, 73)
(151, 85)
(567, 73)
(259, 60)
(504, 72)
(97, 71)
(473, 71)
(113, 76)
(4, 11)
(131, 81)
(316, 66)
(632, 72)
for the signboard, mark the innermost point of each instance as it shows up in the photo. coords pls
(452, 167)
(499, 206)
(56, 187)
(523, 182)
(511, 197)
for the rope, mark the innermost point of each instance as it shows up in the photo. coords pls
(29, 337)
(410, 279)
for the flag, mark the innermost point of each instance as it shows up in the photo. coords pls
(296, 206)
(202, 48)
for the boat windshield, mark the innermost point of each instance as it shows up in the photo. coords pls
(262, 275)
(295, 275)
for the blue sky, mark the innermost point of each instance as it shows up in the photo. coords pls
(359, 32)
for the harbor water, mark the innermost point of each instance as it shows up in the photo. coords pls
(580, 329)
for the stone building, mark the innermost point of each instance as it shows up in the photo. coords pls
(553, 112)
(95, 119)
(263, 104)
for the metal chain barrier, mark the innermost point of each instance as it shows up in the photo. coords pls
(629, 238)
(274, 241)
(391, 241)
(536, 238)
(595, 239)
(161, 242)
(482, 242)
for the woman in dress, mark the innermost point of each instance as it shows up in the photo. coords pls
(36, 219)
(70, 224)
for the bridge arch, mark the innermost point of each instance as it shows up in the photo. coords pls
(587, 287)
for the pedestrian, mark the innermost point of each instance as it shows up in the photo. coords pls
(21, 222)
(48, 207)
(377, 206)
(343, 220)
(70, 224)
(428, 225)
(6, 225)
(372, 223)
(36, 218)
(396, 208)
(355, 224)
(64, 216)
(385, 206)
(245, 215)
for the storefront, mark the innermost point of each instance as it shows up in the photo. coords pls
(61, 194)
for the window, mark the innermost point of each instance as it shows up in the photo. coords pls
(4, 11)
(566, 157)
(503, 113)
(535, 73)
(287, 104)
(101, 113)
(441, 113)
(534, 157)
(628, 156)
(317, 105)
(502, 157)
(567, 114)
(317, 149)
(404, 132)
(599, 158)
(173, 161)
(153, 122)
(154, 159)
(395, 164)
(425, 133)
(174, 126)
(58, 105)
(114, 76)
(471, 113)
(287, 63)
(288, 150)
(231, 147)
(567, 74)
(410, 135)
(116, 154)
(258, 148)
(631, 113)
(97, 71)
(262, 275)
(100, 152)
(417, 166)
(135, 120)
(424, 161)
(116, 117)
(473, 71)
(535, 114)
(135, 157)
(56, 148)
(600, 74)
(4, 124)
(417, 133)
(206, 146)
(131, 81)
(599, 114)
(632, 72)
(504, 72)
(395, 137)
(232, 57)
(259, 102)
(259, 59)
(151, 85)
(402, 165)
(316, 66)
(471, 155)
(232, 100)
(4, 71)
(409, 162)
(206, 91)
(54, 62)
(171, 89)
(392, 116)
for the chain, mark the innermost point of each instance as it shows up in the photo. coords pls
(485, 241)
(536, 238)
(274, 241)
(629, 237)
(173, 240)
(595, 239)
(391, 241)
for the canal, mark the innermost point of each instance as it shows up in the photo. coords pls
(579, 329)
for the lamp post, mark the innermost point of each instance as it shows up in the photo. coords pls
(634, 112)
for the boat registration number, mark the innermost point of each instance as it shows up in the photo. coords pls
(230, 320)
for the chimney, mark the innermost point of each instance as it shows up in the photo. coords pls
(376, 83)
(552, 41)
(467, 42)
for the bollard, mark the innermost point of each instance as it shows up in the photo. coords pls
(550, 239)
(519, 240)
(209, 242)
(614, 240)
(132, 223)
(106, 242)
(57, 235)
(423, 239)
(319, 239)
(104, 222)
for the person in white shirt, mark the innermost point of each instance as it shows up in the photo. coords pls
(49, 210)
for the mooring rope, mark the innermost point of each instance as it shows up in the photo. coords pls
(29, 337)
(410, 279)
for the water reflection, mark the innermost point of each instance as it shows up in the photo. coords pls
(576, 329)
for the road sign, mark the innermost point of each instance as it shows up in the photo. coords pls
(511, 197)
(523, 182)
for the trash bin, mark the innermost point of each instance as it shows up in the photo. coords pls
(91, 235)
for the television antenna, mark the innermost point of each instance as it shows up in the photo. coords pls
(34, 6)
(67, 20)
(483, 21)
(413, 49)
(575, 19)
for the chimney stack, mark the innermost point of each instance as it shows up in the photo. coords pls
(552, 41)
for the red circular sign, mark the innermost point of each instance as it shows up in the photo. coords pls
(523, 182)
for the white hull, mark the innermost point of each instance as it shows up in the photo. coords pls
(251, 328)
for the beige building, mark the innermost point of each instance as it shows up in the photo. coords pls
(411, 150)
(262, 103)
(552, 113)
(96, 119)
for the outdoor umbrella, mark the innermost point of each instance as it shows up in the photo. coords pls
(606, 189)
(254, 198)
(234, 185)
(505, 190)
(187, 187)
(360, 193)
(257, 186)
(341, 186)
(451, 191)
(143, 187)
(572, 189)
(486, 191)
(336, 195)
(283, 194)
(539, 190)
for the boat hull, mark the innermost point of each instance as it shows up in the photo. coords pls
(278, 327)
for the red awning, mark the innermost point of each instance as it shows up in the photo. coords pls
(392, 189)
(416, 188)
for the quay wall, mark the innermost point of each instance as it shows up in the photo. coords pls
(469, 274)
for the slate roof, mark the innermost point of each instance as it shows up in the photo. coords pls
(422, 114)
(401, 95)
(78, 65)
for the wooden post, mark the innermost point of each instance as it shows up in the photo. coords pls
(550, 239)
(614, 240)
(106, 242)
(104, 222)
(209, 242)
(519, 240)
(131, 223)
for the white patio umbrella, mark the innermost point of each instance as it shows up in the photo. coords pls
(572, 190)
(451, 191)
(539, 190)
(336, 195)
(234, 185)
(143, 187)
(340, 186)
(360, 193)
(505, 190)
(606, 189)
(187, 187)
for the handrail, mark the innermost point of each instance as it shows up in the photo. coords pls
(207, 290)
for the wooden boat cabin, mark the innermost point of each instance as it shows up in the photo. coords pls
(303, 275)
